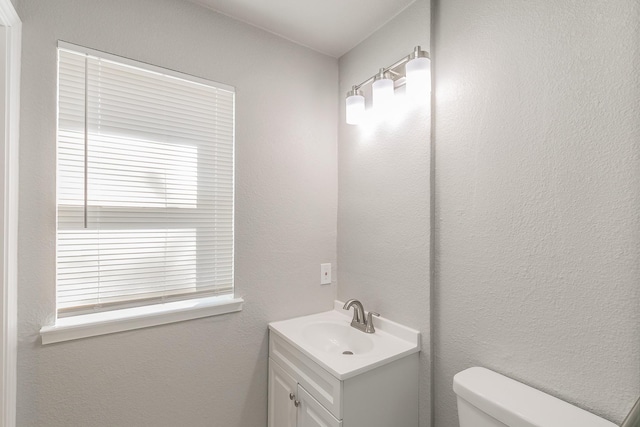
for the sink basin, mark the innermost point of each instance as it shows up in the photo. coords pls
(337, 338)
(330, 341)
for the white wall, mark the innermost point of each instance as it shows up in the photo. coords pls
(537, 189)
(210, 371)
(384, 194)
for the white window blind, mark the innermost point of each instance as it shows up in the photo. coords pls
(145, 184)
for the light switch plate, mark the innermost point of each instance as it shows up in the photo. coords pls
(325, 274)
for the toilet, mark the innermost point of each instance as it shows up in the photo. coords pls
(488, 399)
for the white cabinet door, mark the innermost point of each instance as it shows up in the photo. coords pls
(282, 411)
(313, 414)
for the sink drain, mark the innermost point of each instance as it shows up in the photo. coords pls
(347, 352)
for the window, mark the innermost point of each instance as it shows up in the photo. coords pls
(145, 184)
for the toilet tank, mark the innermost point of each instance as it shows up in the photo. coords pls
(488, 399)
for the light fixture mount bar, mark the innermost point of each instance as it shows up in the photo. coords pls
(394, 71)
(412, 70)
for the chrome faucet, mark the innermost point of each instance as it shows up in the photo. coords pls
(358, 320)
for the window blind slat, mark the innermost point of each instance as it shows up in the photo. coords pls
(159, 180)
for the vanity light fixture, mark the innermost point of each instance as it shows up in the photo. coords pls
(418, 71)
(355, 106)
(382, 90)
(414, 70)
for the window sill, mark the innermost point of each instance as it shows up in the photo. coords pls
(89, 325)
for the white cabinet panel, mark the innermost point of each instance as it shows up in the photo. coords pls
(282, 411)
(324, 387)
(312, 414)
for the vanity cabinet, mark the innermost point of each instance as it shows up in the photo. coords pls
(304, 394)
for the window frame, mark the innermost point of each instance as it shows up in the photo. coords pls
(140, 316)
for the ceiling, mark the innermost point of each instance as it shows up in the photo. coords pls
(332, 27)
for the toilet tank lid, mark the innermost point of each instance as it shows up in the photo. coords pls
(518, 405)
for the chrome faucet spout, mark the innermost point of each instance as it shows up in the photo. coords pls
(360, 321)
(358, 311)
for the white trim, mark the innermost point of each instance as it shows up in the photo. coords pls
(89, 325)
(143, 65)
(11, 39)
(8, 15)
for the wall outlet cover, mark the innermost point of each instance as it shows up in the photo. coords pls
(325, 274)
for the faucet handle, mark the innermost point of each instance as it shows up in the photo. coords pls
(369, 328)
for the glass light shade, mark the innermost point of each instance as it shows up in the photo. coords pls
(382, 93)
(355, 109)
(418, 78)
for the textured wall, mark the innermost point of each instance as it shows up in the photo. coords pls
(206, 372)
(384, 197)
(537, 189)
